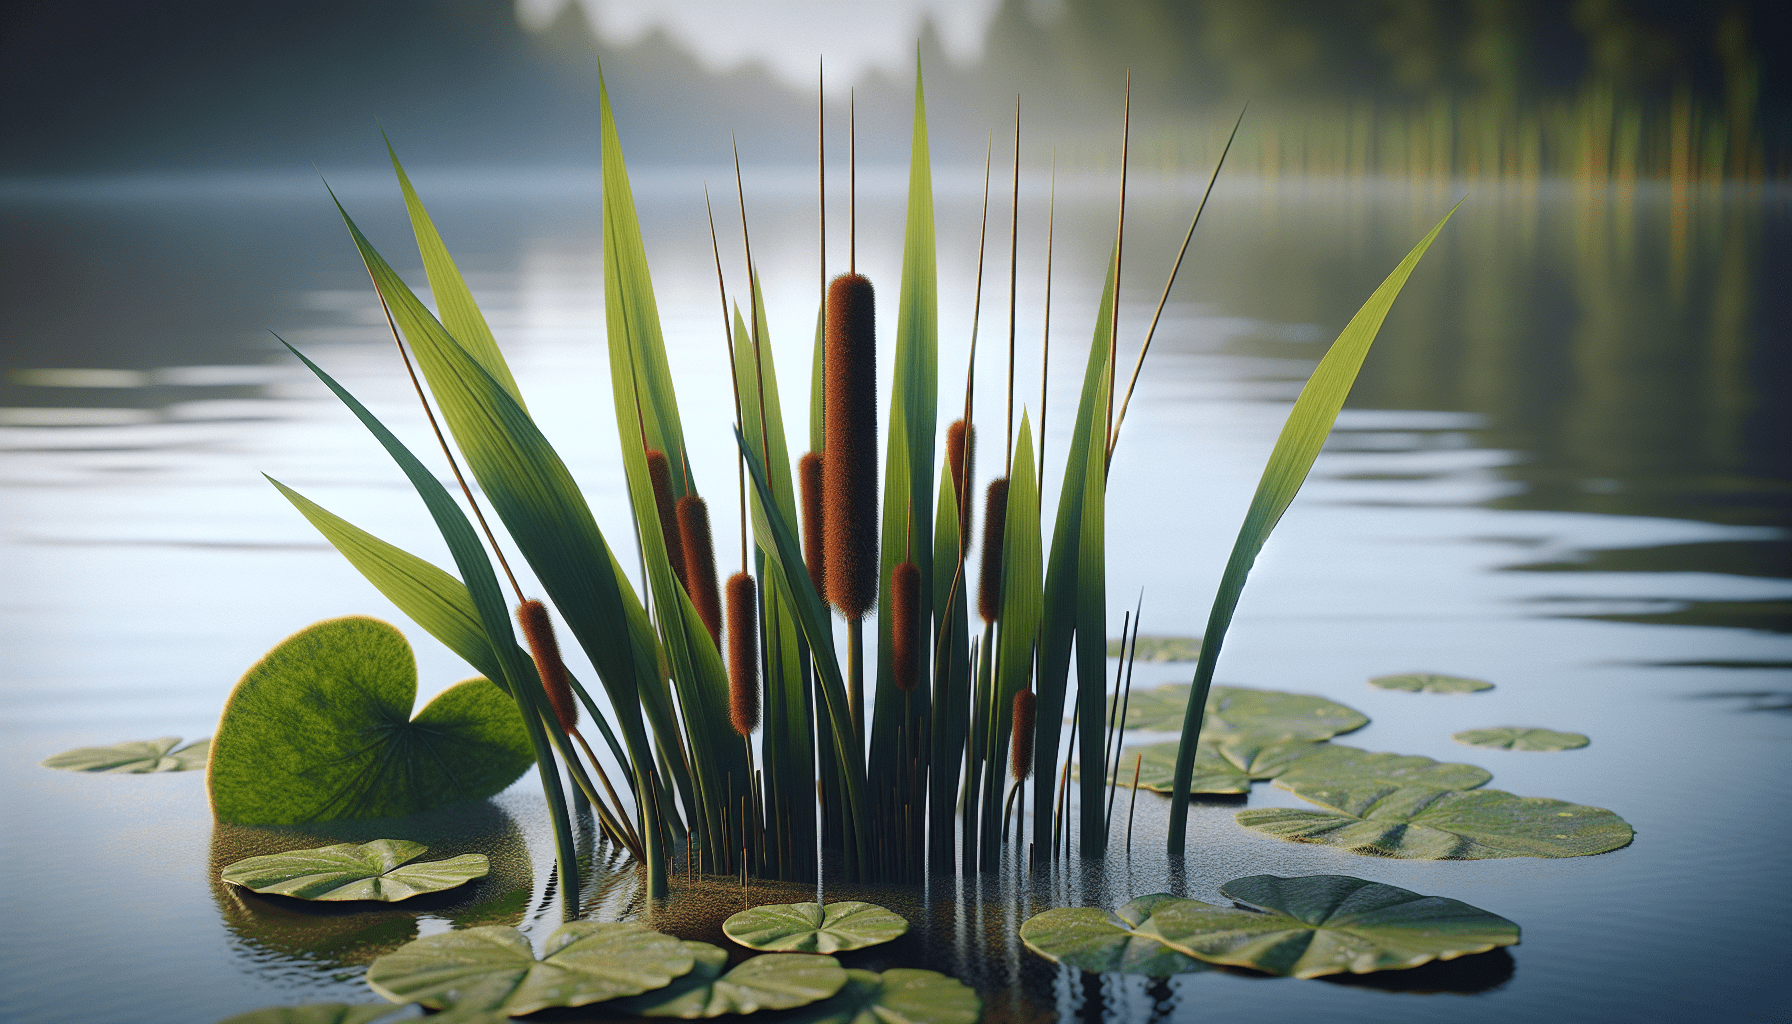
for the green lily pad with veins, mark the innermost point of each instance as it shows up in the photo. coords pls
(493, 970)
(1160, 648)
(321, 729)
(1420, 823)
(1517, 738)
(318, 1013)
(770, 981)
(1219, 768)
(901, 995)
(1305, 927)
(134, 757)
(1426, 682)
(1235, 712)
(814, 928)
(1336, 766)
(380, 870)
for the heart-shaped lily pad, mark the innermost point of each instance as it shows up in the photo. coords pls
(1513, 737)
(813, 928)
(901, 995)
(1234, 712)
(770, 981)
(1419, 823)
(349, 871)
(1335, 766)
(318, 1013)
(134, 757)
(1219, 768)
(1305, 927)
(492, 968)
(1426, 682)
(321, 729)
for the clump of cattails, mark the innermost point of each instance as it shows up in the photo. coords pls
(849, 462)
(905, 625)
(700, 563)
(743, 654)
(808, 475)
(659, 471)
(1024, 702)
(995, 526)
(961, 456)
(538, 631)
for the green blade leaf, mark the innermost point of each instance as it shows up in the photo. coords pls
(384, 869)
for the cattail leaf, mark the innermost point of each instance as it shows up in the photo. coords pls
(386, 870)
(1091, 623)
(1304, 433)
(1022, 581)
(950, 663)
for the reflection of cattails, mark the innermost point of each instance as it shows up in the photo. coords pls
(660, 472)
(961, 455)
(849, 462)
(743, 654)
(989, 576)
(808, 475)
(700, 563)
(538, 630)
(905, 625)
(1023, 734)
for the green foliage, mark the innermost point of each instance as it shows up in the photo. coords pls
(380, 870)
(1149, 648)
(318, 1013)
(1426, 682)
(1236, 712)
(1219, 767)
(900, 995)
(1335, 766)
(815, 928)
(321, 728)
(1512, 737)
(771, 981)
(134, 757)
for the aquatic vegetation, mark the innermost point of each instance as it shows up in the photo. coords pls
(1159, 648)
(321, 1013)
(900, 994)
(1426, 682)
(134, 757)
(1337, 766)
(770, 981)
(1237, 711)
(384, 869)
(1512, 737)
(815, 928)
(1220, 768)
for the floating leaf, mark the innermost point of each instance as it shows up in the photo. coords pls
(316, 1013)
(771, 981)
(1219, 768)
(321, 729)
(813, 928)
(1305, 927)
(1425, 682)
(1236, 712)
(493, 968)
(350, 871)
(134, 757)
(1160, 648)
(1512, 737)
(1419, 823)
(1336, 766)
(901, 995)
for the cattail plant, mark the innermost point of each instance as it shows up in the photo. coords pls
(659, 471)
(700, 563)
(808, 475)
(989, 573)
(1024, 706)
(961, 456)
(743, 654)
(538, 631)
(849, 472)
(905, 625)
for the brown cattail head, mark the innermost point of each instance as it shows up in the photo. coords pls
(1023, 734)
(995, 525)
(849, 462)
(743, 654)
(961, 455)
(538, 630)
(905, 625)
(808, 475)
(660, 472)
(700, 563)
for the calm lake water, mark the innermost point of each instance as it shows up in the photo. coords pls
(1564, 470)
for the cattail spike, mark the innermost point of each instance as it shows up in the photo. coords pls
(905, 625)
(743, 654)
(808, 475)
(700, 563)
(995, 526)
(659, 471)
(961, 456)
(1024, 703)
(538, 630)
(849, 462)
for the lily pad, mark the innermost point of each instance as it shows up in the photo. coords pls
(134, 757)
(1219, 768)
(1334, 766)
(770, 981)
(1160, 648)
(493, 969)
(901, 995)
(1425, 682)
(813, 928)
(348, 871)
(1305, 927)
(1234, 712)
(1420, 823)
(321, 729)
(317, 1013)
(1513, 737)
